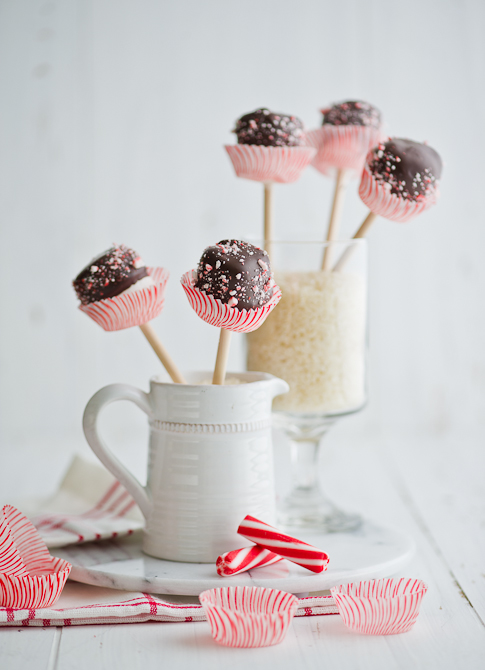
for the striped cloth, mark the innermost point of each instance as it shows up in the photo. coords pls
(89, 505)
(111, 606)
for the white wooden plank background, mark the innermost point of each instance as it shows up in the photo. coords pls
(113, 119)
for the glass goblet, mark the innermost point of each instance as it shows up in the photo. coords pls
(316, 339)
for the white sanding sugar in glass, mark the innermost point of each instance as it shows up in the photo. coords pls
(315, 340)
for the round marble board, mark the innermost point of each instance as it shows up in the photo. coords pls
(370, 552)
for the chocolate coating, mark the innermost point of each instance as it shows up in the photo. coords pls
(269, 129)
(411, 169)
(109, 274)
(236, 273)
(352, 113)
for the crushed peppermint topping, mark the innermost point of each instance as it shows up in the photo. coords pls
(237, 269)
(109, 274)
(267, 128)
(352, 113)
(408, 169)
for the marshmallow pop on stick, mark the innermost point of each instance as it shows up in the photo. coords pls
(233, 289)
(271, 148)
(349, 129)
(400, 180)
(118, 291)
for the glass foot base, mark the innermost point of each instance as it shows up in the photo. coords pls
(309, 509)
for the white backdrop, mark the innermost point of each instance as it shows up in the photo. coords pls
(113, 118)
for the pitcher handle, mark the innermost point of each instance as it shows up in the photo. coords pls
(104, 397)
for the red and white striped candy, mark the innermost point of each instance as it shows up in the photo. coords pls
(219, 314)
(269, 164)
(288, 547)
(342, 147)
(29, 576)
(247, 558)
(248, 616)
(381, 606)
(130, 309)
(378, 198)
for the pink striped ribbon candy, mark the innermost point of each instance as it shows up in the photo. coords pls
(379, 199)
(130, 308)
(219, 314)
(381, 606)
(247, 558)
(288, 547)
(29, 576)
(269, 164)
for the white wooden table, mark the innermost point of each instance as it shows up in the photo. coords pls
(432, 489)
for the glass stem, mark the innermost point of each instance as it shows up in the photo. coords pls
(304, 457)
(306, 506)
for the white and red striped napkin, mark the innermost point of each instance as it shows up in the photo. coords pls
(89, 505)
(80, 604)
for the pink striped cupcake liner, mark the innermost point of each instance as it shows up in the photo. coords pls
(269, 164)
(248, 616)
(286, 546)
(242, 560)
(381, 606)
(219, 314)
(378, 198)
(29, 576)
(133, 308)
(342, 147)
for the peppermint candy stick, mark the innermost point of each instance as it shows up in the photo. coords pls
(247, 558)
(288, 547)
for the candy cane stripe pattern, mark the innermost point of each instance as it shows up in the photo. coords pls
(247, 558)
(288, 547)
(380, 200)
(380, 607)
(248, 616)
(219, 314)
(270, 164)
(29, 576)
(344, 147)
(130, 308)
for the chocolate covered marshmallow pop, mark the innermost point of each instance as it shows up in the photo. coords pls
(271, 148)
(232, 288)
(400, 180)
(118, 291)
(349, 129)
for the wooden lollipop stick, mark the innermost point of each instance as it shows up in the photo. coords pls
(335, 214)
(162, 353)
(368, 221)
(222, 355)
(268, 217)
(345, 257)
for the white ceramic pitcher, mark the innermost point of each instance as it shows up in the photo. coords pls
(210, 460)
